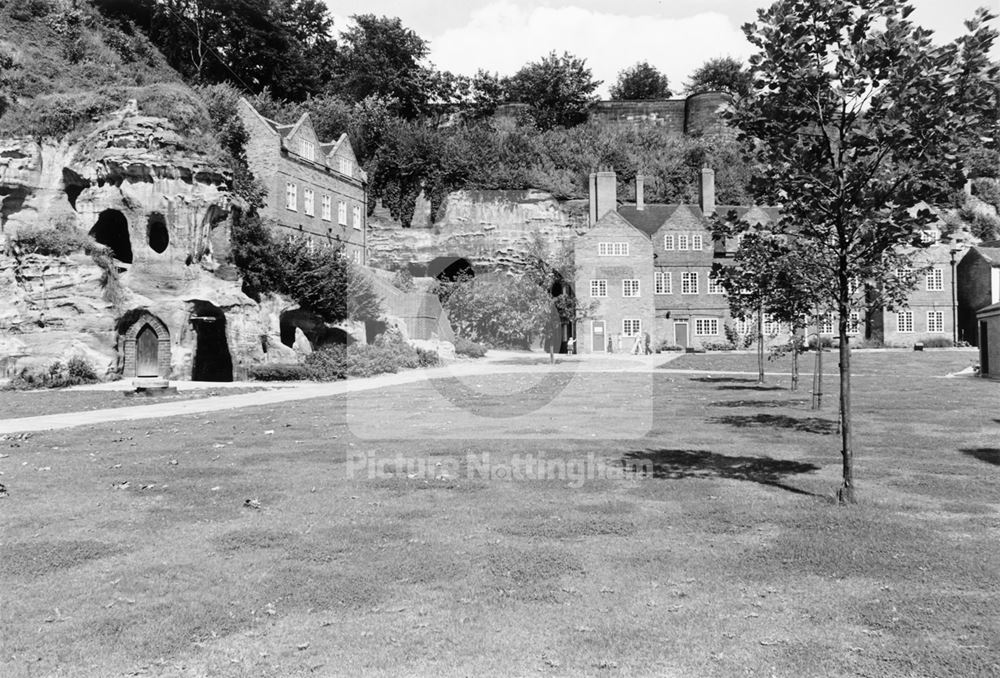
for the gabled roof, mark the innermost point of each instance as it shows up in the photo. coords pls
(304, 118)
(654, 216)
(335, 146)
(614, 216)
(648, 220)
(990, 254)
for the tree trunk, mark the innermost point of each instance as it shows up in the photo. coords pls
(760, 345)
(846, 493)
(795, 362)
(817, 394)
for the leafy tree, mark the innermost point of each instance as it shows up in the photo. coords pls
(503, 311)
(560, 89)
(641, 81)
(858, 117)
(724, 74)
(380, 57)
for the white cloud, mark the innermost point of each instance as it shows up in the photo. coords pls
(503, 37)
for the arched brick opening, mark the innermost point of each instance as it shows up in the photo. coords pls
(212, 359)
(156, 233)
(111, 230)
(145, 345)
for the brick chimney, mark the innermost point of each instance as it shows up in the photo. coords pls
(707, 193)
(640, 192)
(603, 194)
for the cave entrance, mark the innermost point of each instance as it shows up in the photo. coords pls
(317, 332)
(212, 359)
(111, 230)
(450, 269)
(156, 233)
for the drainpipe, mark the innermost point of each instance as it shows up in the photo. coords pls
(954, 307)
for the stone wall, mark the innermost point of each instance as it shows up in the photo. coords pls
(489, 229)
(696, 114)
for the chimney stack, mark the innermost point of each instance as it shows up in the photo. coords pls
(640, 193)
(707, 200)
(603, 194)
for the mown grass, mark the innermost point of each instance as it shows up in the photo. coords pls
(15, 404)
(720, 554)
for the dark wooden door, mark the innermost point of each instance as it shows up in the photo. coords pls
(147, 353)
(681, 334)
(984, 349)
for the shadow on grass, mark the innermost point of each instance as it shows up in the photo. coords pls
(725, 380)
(807, 425)
(991, 455)
(675, 464)
(755, 387)
(757, 403)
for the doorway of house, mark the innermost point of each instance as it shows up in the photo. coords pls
(681, 334)
(598, 337)
(984, 351)
(147, 353)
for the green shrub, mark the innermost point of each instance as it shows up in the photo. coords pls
(54, 241)
(937, 342)
(718, 346)
(280, 372)
(427, 358)
(74, 372)
(468, 348)
(328, 363)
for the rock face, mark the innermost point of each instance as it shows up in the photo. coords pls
(162, 209)
(488, 229)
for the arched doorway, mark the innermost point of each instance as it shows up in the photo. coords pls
(157, 234)
(312, 326)
(145, 345)
(111, 230)
(212, 359)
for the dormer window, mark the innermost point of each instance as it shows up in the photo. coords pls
(307, 149)
(345, 166)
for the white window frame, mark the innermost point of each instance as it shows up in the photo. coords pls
(664, 282)
(342, 213)
(683, 241)
(826, 324)
(937, 327)
(772, 327)
(630, 287)
(714, 287)
(697, 242)
(689, 279)
(904, 322)
(612, 249)
(308, 202)
(345, 166)
(307, 149)
(853, 324)
(631, 323)
(356, 217)
(935, 280)
(743, 327)
(327, 208)
(600, 286)
(706, 327)
(668, 242)
(291, 196)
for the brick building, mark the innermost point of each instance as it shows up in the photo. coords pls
(314, 189)
(681, 303)
(978, 287)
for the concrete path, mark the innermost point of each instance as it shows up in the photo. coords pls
(498, 362)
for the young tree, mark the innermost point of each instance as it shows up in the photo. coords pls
(560, 89)
(641, 81)
(858, 117)
(724, 74)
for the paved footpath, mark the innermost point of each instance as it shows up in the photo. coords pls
(499, 362)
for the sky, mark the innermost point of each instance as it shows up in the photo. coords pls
(676, 36)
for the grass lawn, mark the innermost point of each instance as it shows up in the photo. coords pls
(367, 557)
(15, 404)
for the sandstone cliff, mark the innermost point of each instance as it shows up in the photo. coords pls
(162, 209)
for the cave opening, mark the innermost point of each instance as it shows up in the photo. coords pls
(450, 269)
(212, 359)
(156, 233)
(111, 230)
